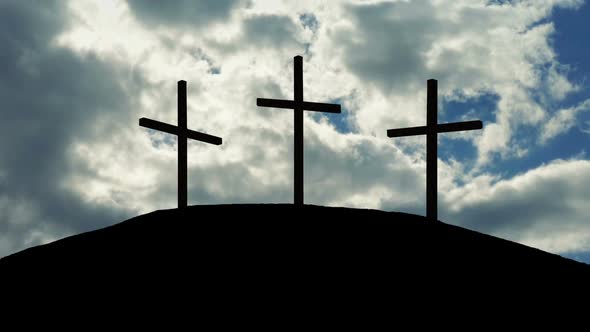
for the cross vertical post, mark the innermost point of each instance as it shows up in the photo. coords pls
(298, 134)
(431, 150)
(182, 149)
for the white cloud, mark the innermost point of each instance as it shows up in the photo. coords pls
(558, 84)
(545, 207)
(470, 46)
(562, 121)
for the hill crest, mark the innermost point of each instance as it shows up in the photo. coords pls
(251, 242)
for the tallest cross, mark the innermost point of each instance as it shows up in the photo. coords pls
(298, 106)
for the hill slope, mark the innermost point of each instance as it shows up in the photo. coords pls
(265, 246)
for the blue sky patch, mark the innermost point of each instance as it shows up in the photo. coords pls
(309, 21)
(455, 145)
(340, 121)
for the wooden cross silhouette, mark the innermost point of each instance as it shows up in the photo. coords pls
(431, 131)
(298, 105)
(183, 134)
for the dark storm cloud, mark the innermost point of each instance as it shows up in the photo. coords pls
(388, 44)
(261, 31)
(183, 13)
(50, 98)
(270, 30)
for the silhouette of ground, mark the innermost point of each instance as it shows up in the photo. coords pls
(279, 251)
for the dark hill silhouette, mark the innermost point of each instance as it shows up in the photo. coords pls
(224, 250)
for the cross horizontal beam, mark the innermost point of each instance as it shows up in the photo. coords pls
(459, 126)
(411, 131)
(306, 105)
(170, 129)
(440, 128)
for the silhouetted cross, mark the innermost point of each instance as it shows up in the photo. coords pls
(298, 105)
(183, 135)
(431, 131)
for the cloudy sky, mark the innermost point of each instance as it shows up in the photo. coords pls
(77, 75)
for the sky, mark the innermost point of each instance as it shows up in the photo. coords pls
(77, 75)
